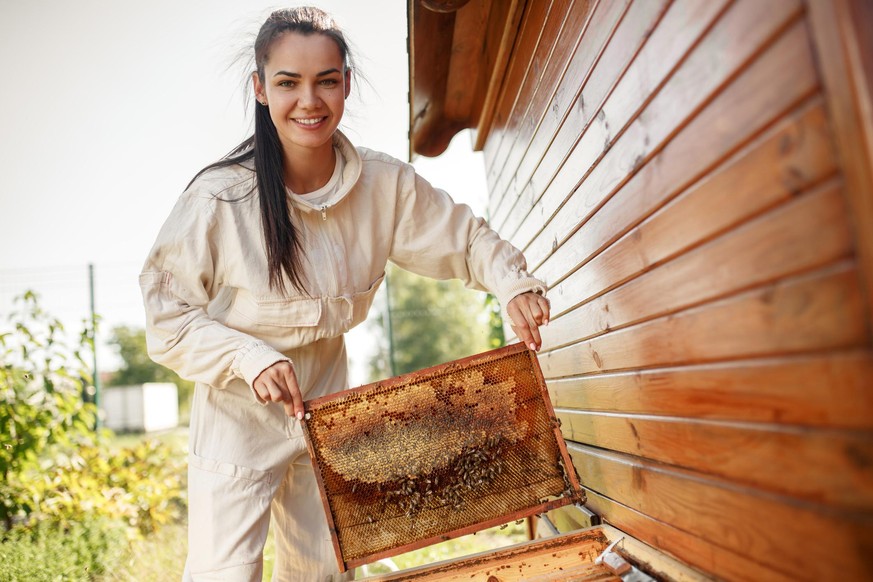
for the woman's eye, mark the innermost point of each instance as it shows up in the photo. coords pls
(286, 83)
(329, 82)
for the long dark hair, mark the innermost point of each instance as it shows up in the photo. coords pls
(283, 242)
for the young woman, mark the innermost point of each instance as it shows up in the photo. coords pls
(268, 257)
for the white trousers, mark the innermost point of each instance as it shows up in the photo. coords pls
(248, 462)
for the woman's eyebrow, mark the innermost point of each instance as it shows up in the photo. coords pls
(298, 75)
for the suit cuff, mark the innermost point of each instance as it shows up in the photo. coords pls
(250, 362)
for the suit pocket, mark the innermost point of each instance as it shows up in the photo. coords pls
(229, 513)
(293, 312)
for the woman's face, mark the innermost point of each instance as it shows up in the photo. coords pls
(305, 86)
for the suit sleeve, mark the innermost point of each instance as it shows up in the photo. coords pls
(438, 238)
(180, 277)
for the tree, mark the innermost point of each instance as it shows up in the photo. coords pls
(432, 322)
(138, 368)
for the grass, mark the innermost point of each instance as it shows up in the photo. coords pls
(176, 438)
(157, 558)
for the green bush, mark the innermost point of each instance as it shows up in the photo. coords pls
(69, 503)
(79, 551)
(141, 487)
(41, 407)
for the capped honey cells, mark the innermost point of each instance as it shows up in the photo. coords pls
(438, 453)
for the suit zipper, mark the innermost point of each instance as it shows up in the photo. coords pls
(328, 248)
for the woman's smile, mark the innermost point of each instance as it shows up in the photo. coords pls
(310, 122)
(305, 85)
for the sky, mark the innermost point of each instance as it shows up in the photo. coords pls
(109, 107)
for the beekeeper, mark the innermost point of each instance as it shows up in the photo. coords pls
(269, 256)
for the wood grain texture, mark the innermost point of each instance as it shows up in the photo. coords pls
(539, 27)
(804, 235)
(651, 560)
(681, 27)
(772, 169)
(683, 182)
(803, 541)
(586, 31)
(816, 312)
(841, 30)
(566, 23)
(831, 467)
(830, 390)
(430, 38)
(496, 57)
(592, 86)
(521, 562)
(769, 86)
(465, 83)
(687, 547)
(647, 559)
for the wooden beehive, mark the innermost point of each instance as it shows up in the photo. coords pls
(439, 453)
(693, 180)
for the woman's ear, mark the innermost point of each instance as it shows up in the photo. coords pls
(348, 82)
(258, 88)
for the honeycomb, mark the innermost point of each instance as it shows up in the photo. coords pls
(427, 456)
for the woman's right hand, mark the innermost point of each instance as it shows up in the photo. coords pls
(278, 383)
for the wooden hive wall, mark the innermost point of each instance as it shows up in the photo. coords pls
(670, 170)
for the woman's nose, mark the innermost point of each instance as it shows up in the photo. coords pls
(308, 97)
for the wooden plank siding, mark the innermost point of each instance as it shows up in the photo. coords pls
(675, 171)
(803, 542)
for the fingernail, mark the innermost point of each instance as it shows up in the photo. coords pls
(545, 322)
(533, 346)
(299, 416)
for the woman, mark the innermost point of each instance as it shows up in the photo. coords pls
(268, 257)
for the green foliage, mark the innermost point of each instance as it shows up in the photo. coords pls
(496, 335)
(50, 553)
(69, 501)
(138, 368)
(41, 407)
(432, 322)
(141, 487)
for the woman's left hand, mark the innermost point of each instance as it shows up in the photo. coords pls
(527, 312)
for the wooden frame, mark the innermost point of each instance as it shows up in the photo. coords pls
(568, 556)
(552, 500)
(845, 64)
(455, 76)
